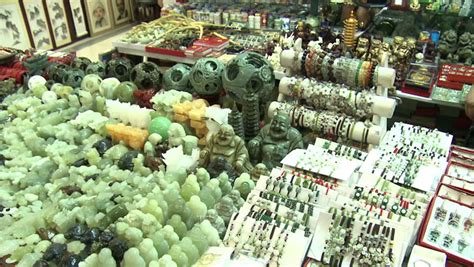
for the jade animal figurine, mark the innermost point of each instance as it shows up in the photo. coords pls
(465, 53)
(447, 44)
(227, 144)
(275, 141)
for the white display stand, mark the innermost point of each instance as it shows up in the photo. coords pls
(383, 106)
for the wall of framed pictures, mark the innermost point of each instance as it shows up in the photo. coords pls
(52, 24)
(122, 11)
(13, 31)
(79, 18)
(99, 15)
(59, 22)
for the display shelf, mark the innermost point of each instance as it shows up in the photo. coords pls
(139, 50)
(429, 100)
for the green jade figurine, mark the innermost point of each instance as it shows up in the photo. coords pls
(274, 142)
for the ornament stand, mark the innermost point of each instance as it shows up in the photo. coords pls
(383, 108)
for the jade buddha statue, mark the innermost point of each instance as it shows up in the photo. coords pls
(259, 170)
(227, 144)
(216, 221)
(225, 208)
(236, 198)
(274, 142)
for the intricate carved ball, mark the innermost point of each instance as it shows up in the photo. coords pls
(96, 68)
(57, 71)
(119, 68)
(206, 75)
(248, 74)
(146, 75)
(73, 78)
(177, 78)
(81, 63)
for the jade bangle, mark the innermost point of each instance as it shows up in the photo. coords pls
(356, 78)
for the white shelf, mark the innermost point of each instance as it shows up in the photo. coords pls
(141, 53)
(429, 100)
(139, 50)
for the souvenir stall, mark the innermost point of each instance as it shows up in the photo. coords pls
(270, 140)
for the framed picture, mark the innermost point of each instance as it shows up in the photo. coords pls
(13, 32)
(58, 19)
(99, 15)
(38, 24)
(122, 11)
(80, 24)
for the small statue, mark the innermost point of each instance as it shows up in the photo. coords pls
(228, 145)
(447, 44)
(219, 165)
(376, 44)
(224, 183)
(236, 198)
(244, 184)
(275, 141)
(177, 137)
(397, 41)
(415, 5)
(430, 52)
(259, 170)
(225, 208)
(402, 55)
(464, 53)
(216, 221)
(384, 50)
(362, 48)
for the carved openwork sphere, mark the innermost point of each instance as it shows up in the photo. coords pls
(56, 72)
(96, 68)
(248, 74)
(206, 76)
(177, 78)
(81, 63)
(146, 75)
(119, 68)
(73, 77)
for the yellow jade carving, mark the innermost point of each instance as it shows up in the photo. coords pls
(194, 113)
(131, 136)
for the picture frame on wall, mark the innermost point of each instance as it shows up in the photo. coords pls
(38, 24)
(59, 23)
(99, 15)
(79, 18)
(13, 32)
(121, 11)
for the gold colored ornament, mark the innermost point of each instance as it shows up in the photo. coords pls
(193, 112)
(131, 136)
(350, 28)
